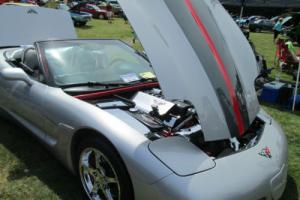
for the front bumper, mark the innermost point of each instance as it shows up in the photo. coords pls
(243, 176)
(82, 19)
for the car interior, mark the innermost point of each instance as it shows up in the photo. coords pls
(27, 59)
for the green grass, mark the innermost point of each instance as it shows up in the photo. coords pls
(28, 171)
(102, 29)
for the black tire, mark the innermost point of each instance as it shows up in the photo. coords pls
(257, 30)
(82, 23)
(3, 115)
(112, 155)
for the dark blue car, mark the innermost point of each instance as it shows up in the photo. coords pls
(79, 18)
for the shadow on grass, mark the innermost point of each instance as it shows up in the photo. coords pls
(280, 108)
(291, 191)
(86, 27)
(35, 161)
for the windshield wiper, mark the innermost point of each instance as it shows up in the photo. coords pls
(94, 84)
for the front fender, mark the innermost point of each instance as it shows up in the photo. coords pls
(71, 115)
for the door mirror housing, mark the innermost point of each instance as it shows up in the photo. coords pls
(15, 74)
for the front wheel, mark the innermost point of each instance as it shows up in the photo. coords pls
(82, 23)
(102, 173)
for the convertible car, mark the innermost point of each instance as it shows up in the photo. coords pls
(180, 121)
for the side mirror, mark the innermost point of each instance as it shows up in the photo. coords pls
(15, 74)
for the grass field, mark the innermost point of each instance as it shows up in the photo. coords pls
(28, 171)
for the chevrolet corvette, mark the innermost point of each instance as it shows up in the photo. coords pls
(179, 121)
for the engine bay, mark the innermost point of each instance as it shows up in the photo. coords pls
(169, 118)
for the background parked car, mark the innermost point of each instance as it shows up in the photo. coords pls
(79, 18)
(117, 10)
(261, 25)
(275, 19)
(92, 9)
(254, 18)
(242, 21)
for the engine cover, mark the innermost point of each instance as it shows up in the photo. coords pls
(146, 103)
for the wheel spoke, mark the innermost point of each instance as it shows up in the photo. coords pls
(110, 180)
(97, 162)
(107, 194)
(95, 188)
(88, 182)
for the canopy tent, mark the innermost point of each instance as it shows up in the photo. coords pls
(296, 88)
(264, 3)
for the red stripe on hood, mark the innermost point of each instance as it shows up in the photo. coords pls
(212, 46)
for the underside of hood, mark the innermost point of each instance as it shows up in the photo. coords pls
(199, 54)
(26, 25)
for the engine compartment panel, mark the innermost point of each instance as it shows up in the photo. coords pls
(159, 119)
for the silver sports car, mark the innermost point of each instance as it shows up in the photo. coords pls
(181, 121)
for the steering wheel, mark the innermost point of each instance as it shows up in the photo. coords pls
(117, 62)
(61, 78)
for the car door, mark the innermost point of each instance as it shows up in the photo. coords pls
(264, 24)
(24, 102)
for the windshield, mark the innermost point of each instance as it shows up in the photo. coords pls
(82, 61)
(93, 7)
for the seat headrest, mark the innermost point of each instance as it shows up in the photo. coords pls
(30, 59)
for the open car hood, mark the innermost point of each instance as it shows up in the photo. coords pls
(26, 25)
(199, 54)
(78, 6)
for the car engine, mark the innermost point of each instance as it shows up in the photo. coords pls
(164, 118)
(169, 118)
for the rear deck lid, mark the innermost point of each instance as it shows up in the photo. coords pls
(199, 54)
(26, 25)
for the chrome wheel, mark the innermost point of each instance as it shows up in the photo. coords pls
(98, 176)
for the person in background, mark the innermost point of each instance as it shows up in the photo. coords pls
(124, 17)
(109, 10)
(277, 29)
(134, 37)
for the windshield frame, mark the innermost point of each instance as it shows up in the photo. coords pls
(50, 77)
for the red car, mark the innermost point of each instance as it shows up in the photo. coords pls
(3, 1)
(94, 10)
